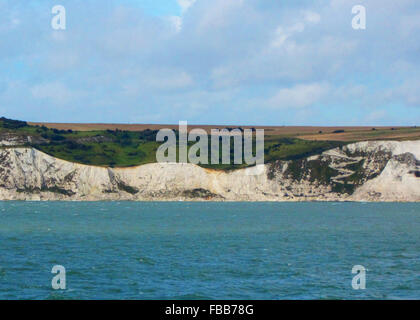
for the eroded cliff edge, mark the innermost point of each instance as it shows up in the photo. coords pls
(363, 171)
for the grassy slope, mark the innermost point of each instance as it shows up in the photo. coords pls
(130, 148)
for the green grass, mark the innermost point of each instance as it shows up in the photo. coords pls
(103, 154)
(281, 148)
(127, 148)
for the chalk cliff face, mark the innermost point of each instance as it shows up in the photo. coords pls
(364, 171)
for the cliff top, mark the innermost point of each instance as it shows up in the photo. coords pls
(113, 145)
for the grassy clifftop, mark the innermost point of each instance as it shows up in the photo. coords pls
(119, 148)
(102, 148)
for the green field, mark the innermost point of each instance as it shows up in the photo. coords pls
(116, 148)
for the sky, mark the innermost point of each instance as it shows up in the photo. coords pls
(243, 62)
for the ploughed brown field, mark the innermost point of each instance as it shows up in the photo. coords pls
(339, 133)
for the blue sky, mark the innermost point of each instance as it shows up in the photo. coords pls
(264, 62)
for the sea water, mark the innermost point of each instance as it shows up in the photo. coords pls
(204, 250)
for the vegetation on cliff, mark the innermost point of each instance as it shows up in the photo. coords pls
(116, 148)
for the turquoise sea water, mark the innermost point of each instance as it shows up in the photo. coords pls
(182, 250)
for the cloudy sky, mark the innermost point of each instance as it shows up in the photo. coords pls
(261, 62)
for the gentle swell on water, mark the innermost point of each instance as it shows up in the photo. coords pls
(151, 250)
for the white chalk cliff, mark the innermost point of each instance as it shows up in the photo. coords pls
(363, 171)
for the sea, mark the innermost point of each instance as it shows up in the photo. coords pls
(209, 250)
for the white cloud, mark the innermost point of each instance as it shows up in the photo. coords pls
(312, 17)
(299, 96)
(282, 34)
(185, 4)
(177, 22)
(121, 57)
(219, 14)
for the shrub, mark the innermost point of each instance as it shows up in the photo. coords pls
(12, 124)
